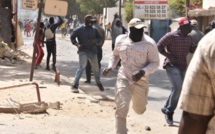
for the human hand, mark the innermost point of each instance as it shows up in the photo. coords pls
(106, 71)
(137, 75)
(79, 47)
(171, 58)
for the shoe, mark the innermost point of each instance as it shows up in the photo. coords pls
(47, 68)
(35, 67)
(100, 86)
(163, 110)
(54, 68)
(39, 66)
(74, 89)
(87, 81)
(169, 118)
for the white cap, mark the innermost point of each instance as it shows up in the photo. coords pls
(137, 23)
(194, 23)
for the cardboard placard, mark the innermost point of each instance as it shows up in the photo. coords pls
(56, 7)
(29, 4)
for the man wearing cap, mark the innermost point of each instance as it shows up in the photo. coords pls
(86, 37)
(196, 35)
(175, 47)
(139, 59)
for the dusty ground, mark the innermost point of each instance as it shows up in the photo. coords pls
(77, 115)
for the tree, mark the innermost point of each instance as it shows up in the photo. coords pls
(129, 10)
(178, 6)
(74, 9)
(94, 6)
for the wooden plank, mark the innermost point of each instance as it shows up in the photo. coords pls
(201, 12)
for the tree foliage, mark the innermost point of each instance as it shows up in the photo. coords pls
(178, 6)
(129, 12)
(94, 6)
(73, 8)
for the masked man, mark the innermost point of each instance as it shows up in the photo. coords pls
(139, 59)
(86, 37)
(175, 47)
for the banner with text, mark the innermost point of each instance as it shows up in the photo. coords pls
(151, 9)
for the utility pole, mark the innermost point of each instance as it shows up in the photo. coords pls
(187, 7)
(36, 38)
(120, 4)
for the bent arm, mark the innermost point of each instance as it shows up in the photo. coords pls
(73, 38)
(153, 61)
(163, 43)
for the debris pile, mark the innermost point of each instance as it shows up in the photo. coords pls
(8, 56)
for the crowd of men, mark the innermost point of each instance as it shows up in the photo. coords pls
(138, 55)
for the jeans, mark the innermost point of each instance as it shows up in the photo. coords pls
(88, 67)
(83, 57)
(176, 78)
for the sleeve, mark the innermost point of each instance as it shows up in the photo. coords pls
(198, 90)
(73, 37)
(59, 23)
(114, 59)
(153, 60)
(163, 42)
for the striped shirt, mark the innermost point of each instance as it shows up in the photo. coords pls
(176, 44)
(135, 56)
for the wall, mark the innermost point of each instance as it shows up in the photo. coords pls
(110, 15)
(5, 21)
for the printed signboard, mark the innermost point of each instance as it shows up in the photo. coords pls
(29, 4)
(151, 9)
(56, 7)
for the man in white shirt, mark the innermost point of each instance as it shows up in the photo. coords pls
(139, 59)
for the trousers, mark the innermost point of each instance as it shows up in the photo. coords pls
(124, 93)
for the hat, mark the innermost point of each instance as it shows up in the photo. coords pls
(184, 21)
(90, 17)
(194, 22)
(137, 23)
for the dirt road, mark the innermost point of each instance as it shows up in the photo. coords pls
(79, 114)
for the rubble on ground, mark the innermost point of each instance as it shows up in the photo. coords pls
(8, 56)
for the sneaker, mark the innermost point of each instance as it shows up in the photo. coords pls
(47, 68)
(163, 110)
(74, 89)
(54, 68)
(87, 81)
(169, 118)
(100, 86)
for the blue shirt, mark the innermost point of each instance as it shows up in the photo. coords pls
(82, 34)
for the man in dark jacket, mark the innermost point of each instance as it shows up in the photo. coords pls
(86, 38)
(99, 49)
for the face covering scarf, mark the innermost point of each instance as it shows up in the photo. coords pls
(136, 34)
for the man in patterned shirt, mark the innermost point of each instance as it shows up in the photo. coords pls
(139, 59)
(175, 47)
(198, 92)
